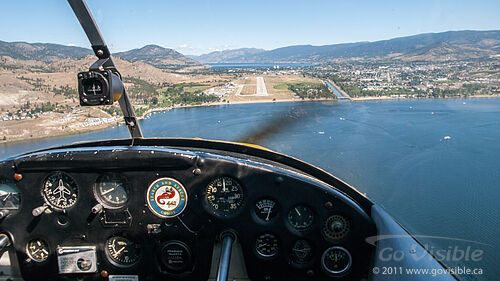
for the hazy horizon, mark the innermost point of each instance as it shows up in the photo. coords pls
(202, 26)
(250, 47)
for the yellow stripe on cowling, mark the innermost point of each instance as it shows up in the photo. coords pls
(239, 143)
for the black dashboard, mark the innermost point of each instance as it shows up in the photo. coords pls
(155, 210)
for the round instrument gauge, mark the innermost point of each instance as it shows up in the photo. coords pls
(266, 245)
(301, 252)
(300, 217)
(176, 256)
(122, 252)
(112, 190)
(266, 209)
(336, 227)
(37, 250)
(60, 190)
(10, 197)
(224, 197)
(336, 261)
(92, 87)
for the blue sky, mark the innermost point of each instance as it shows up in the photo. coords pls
(201, 26)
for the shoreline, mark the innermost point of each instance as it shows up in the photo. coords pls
(163, 109)
(62, 134)
(406, 98)
(144, 115)
(9, 141)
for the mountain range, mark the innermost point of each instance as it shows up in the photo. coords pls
(151, 54)
(41, 51)
(157, 56)
(227, 55)
(444, 46)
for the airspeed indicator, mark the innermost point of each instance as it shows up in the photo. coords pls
(224, 197)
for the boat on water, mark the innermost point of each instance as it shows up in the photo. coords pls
(189, 209)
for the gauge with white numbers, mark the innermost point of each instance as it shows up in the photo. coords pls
(336, 261)
(301, 252)
(266, 245)
(224, 197)
(266, 209)
(60, 190)
(37, 250)
(300, 217)
(112, 190)
(122, 252)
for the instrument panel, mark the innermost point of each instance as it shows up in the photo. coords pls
(163, 222)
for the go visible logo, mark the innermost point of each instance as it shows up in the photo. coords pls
(166, 198)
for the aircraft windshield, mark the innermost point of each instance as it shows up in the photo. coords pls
(399, 99)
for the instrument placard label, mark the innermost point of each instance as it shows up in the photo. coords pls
(79, 259)
(123, 278)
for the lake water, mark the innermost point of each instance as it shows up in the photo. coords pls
(434, 165)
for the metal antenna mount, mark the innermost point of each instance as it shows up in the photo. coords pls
(105, 61)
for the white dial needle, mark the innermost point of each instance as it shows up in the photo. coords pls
(119, 251)
(107, 191)
(268, 213)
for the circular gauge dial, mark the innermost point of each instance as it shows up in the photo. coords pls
(112, 190)
(300, 217)
(176, 256)
(224, 197)
(122, 252)
(301, 252)
(336, 260)
(10, 198)
(266, 209)
(92, 87)
(266, 245)
(38, 250)
(60, 190)
(336, 227)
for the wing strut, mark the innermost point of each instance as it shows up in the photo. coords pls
(105, 61)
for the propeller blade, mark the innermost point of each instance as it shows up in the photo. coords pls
(275, 125)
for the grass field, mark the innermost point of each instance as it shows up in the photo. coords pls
(278, 84)
(250, 85)
(196, 88)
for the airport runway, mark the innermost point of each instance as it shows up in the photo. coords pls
(261, 87)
